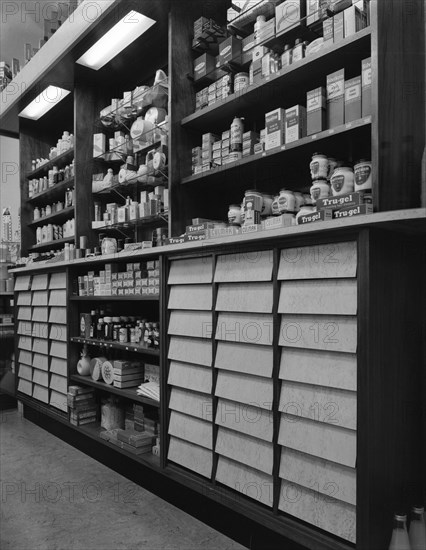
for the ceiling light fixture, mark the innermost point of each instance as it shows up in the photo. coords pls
(45, 101)
(123, 33)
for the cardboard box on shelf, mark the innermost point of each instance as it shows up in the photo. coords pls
(366, 83)
(353, 99)
(321, 215)
(316, 110)
(351, 211)
(295, 123)
(289, 14)
(275, 128)
(336, 98)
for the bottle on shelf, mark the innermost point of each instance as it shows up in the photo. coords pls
(93, 323)
(399, 540)
(286, 57)
(417, 529)
(298, 51)
(260, 22)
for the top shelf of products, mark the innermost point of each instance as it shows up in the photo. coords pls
(286, 83)
(59, 160)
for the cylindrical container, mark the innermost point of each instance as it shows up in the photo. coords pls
(332, 165)
(108, 328)
(286, 57)
(267, 205)
(298, 52)
(48, 211)
(320, 189)
(123, 335)
(36, 213)
(95, 367)
(39, 236)
(300, 201)
(242, 213)
(260, 22)
(241, 81)
(237, 131)
(109, 245)
(275, 206)
(234, 214)
(83, 242)
(362, 171)
(286, 201)
(319, 166)
(342, 181)
(253, 204)
(308, 199)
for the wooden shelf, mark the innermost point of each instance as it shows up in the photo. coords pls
(128, 393)
(55, 192)
(94, 430)
(284, 87)
(51, 244)
(152, 221)
(60, 160)
(58, 217)
(115, 298)
(298, 145)
(116, 345)
(6, 293)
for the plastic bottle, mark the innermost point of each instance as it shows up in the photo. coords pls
(298, 51)
(399, 540)
(417, 529)
(286, 57)
(260, 22)
(237, 131)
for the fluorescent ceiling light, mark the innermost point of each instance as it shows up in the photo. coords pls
(50, 97)
(122, 34)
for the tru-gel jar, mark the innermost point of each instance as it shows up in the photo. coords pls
(362, 170)
(286, 201)
(320, 190)
(342, 181)
(319, 166)
(234, 214)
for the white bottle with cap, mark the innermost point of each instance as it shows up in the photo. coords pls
(260, 22)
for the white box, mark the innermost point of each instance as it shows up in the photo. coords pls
(295, 123)
(288, 15)
(99, 144)
(275, 129)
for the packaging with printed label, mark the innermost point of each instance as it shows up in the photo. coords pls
(336, 98)
(353, 99)
(315, 110)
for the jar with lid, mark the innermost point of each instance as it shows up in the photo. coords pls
(320, 189)
(319, 166)
(332, 165)
(286, 201)
(342, 181)
(362, 171)
(267, 204)
(234, 214)
(300, 200)
(275, 207)
(241, 81)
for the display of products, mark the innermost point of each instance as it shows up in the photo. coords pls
(52, 232)
(399, 540)
(417, 529)
(82, 405)
(138, 279)
(55, 175)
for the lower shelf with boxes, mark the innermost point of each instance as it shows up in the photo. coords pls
(137, 279)
(130, 427)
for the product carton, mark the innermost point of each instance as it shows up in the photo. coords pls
(256, 69)
(275, 129)
(328, 29)
(312, 11)
(99, 144)
(266, 31)
(353, 99)
(295, 123)
(204, 66)
(336, 98)
(366, 86)
(316, 110)
(229, 49)
(278, 222)
(289, 14)
(258, 52)
(343, 201)
(339, 27)
(352, 20)
(321, 215)
(350, 211)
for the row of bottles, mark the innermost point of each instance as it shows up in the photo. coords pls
(55, 175)
(415, 537)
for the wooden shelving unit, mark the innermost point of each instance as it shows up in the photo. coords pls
(389, 259)
(57, 217)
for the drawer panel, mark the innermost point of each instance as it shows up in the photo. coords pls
(334, 297)
(246, 419)
(195, 458)
(191, 350)
(255, 328)
(191, 429)
(195, 297)
(245, 297)
(191, 323)
(191, 271)
(251, 390)
(245, 358)
(248, 450)
(191, 377)
(328, 261)
(244, 267)
(191, 403)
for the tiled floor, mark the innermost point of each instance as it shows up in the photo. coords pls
(56, 498)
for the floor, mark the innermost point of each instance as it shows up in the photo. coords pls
(56, 498)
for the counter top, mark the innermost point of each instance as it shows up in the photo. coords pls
(411, 221)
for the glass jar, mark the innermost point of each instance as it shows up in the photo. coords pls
(342, 181)
(319, 166)
(320, 190)
(234, 214)
(286, 201)
(362, 171)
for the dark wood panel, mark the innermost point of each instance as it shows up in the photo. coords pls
(398, 102)
(390, 466)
